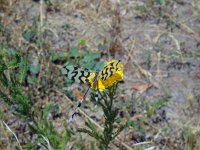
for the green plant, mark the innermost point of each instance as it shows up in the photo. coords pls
(109, 132)
(13, 73)
(160, 2)
(191, 136)
(142, 8)
(12, 91)
(47, 132)
(5, 32)
(152, 107)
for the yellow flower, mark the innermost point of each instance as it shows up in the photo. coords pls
(103, 84)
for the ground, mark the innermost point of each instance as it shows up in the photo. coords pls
(157, 41)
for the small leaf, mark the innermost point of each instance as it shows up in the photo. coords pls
(31, 80)
(90, 125)
(3, 52)
(141, 8)
(82, 42)
(74, 51)
(99, 66)
(46, 110)
(91, 57)
(59, 56)
(66, 26)
(29, 34)
(160, 2)
(23, 69)
(34, 69)
(14, 63)
(90, 65)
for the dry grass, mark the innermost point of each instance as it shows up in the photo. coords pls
(158, 44)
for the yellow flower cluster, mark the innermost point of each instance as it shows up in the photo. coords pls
(103, 84)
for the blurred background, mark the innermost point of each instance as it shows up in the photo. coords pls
(158, 41)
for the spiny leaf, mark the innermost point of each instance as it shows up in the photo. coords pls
(23, 69)
(91, 133)
(90, 125)
(46, 110)
(14, 63)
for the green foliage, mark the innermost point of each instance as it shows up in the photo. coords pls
(90, 57)
(12, 91)
(34, 69)
(5, 32)
(75, 55)
(142, 8)
(109, 132)
(160, 2)
(79, 57)
(13, 73)
(66, 26)
(1, 114)
(81, 43)
(8, 60)
(137, 125)
(156, 105)
(23, 68)
(191, 137)
(47, 2)
(74, 52)
(45, 130)
(148, 61)
(58, 56)
(30, 34)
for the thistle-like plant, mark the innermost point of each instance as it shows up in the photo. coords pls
(109, 132)
(13, 72)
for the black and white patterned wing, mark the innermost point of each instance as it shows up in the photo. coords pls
(76, 74)
(109, 69)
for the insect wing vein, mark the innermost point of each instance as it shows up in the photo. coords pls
(79, 75)
(109, 70)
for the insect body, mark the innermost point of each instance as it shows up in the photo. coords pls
(98, 80)
(109, 69)
(79, 75)
(82, 75)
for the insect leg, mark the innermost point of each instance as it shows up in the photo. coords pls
(78, 106)
(97, 94)
(84, 96)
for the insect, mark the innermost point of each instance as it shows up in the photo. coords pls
(98, 80)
